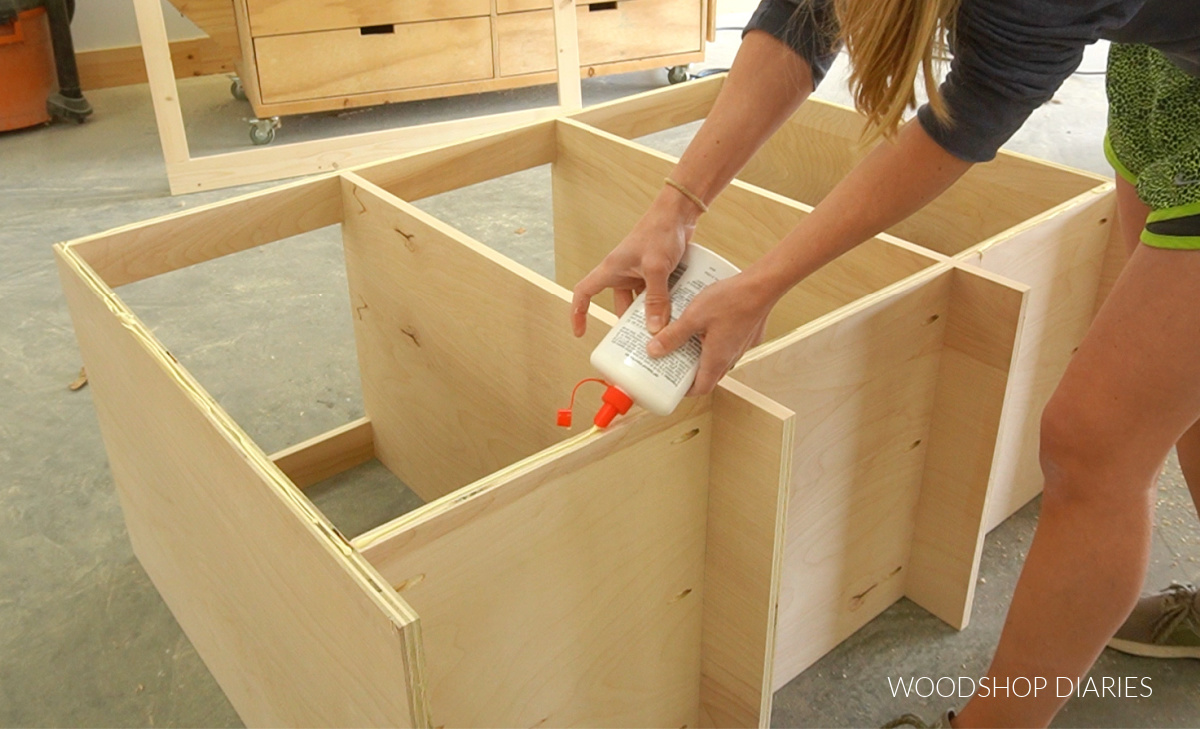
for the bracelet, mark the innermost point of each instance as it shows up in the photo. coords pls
(687, 193)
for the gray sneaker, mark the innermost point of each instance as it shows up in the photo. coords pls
(912, 720)
(1166, 625)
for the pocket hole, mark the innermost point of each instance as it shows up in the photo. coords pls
(933, 318)
(681, 595)
(915, 444)
(1103, 221)
(686, 436)
(377, 30)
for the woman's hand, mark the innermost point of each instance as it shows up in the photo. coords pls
(644, 260)
(729, 317)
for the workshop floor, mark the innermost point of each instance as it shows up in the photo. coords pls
(84, 638)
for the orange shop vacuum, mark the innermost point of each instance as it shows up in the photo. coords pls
(38, 77)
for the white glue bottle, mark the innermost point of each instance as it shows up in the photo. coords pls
(658, 385)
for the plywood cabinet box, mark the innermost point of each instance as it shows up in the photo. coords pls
(665, 572)
(302, 56)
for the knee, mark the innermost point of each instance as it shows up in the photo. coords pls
(1085, 453)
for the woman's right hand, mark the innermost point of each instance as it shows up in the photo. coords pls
(642, 261)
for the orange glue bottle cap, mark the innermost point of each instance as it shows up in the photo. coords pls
(615, 403)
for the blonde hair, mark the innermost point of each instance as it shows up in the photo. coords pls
(889, 42)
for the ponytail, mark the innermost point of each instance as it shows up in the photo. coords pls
(889, 42)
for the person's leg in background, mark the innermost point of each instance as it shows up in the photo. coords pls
(1127, 396)
(1131, 217)
(1153, 143)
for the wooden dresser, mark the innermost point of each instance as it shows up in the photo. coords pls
(301, 56)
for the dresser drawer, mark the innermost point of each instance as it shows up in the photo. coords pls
(517, 6)
(364, 60)
(608, 32)
(277, 17)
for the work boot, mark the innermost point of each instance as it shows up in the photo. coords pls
(1166, 625)
(912, 720)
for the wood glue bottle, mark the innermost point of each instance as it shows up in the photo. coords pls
(658, 385)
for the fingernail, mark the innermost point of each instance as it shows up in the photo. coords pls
(654, 323)
(654, 348)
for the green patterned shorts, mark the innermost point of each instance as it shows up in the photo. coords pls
(1153, 141)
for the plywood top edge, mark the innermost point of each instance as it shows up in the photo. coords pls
(262, 164)
(741, 390)
(1013, 154)
(973, 269)
(83, 241)
(1083, 198)
(549, 120)
(401, 614)
(599, 441)
(717, 80)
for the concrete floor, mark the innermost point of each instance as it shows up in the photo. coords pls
(84, 638)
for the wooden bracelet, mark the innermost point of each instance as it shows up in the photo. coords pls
(687, 193)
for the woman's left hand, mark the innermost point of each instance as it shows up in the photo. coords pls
(729, 317)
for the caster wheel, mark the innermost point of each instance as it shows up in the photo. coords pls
(237, 90)
(262, 131)
(677, 74)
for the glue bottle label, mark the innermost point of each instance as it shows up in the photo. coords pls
(659, 384)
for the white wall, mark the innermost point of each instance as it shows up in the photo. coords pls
(111, 24)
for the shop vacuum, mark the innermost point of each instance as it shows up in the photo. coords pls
(37, 56)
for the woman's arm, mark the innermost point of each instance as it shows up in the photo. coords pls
(895, 180)
(767, 83)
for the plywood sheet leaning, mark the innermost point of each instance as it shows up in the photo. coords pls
(592, 213)
(1061, 256)
(258, 579)
(875, 456)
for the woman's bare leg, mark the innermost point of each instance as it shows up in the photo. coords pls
(1131, 217)
(1128, 395)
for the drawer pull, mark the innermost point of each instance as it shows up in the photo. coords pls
(377, 30)
(594, 7)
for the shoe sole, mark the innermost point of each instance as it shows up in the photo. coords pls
(1148, 650)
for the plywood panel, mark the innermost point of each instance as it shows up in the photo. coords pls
(465, 356)
(819, 145)
(866, 388)
(982, 333)
(592, 214)
(429, 172)
(749, 476)
(577, 599)
(1061, 258)
(256, 577)
(414, 54)
(653, 111)
(328, 454)
(143, 250)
